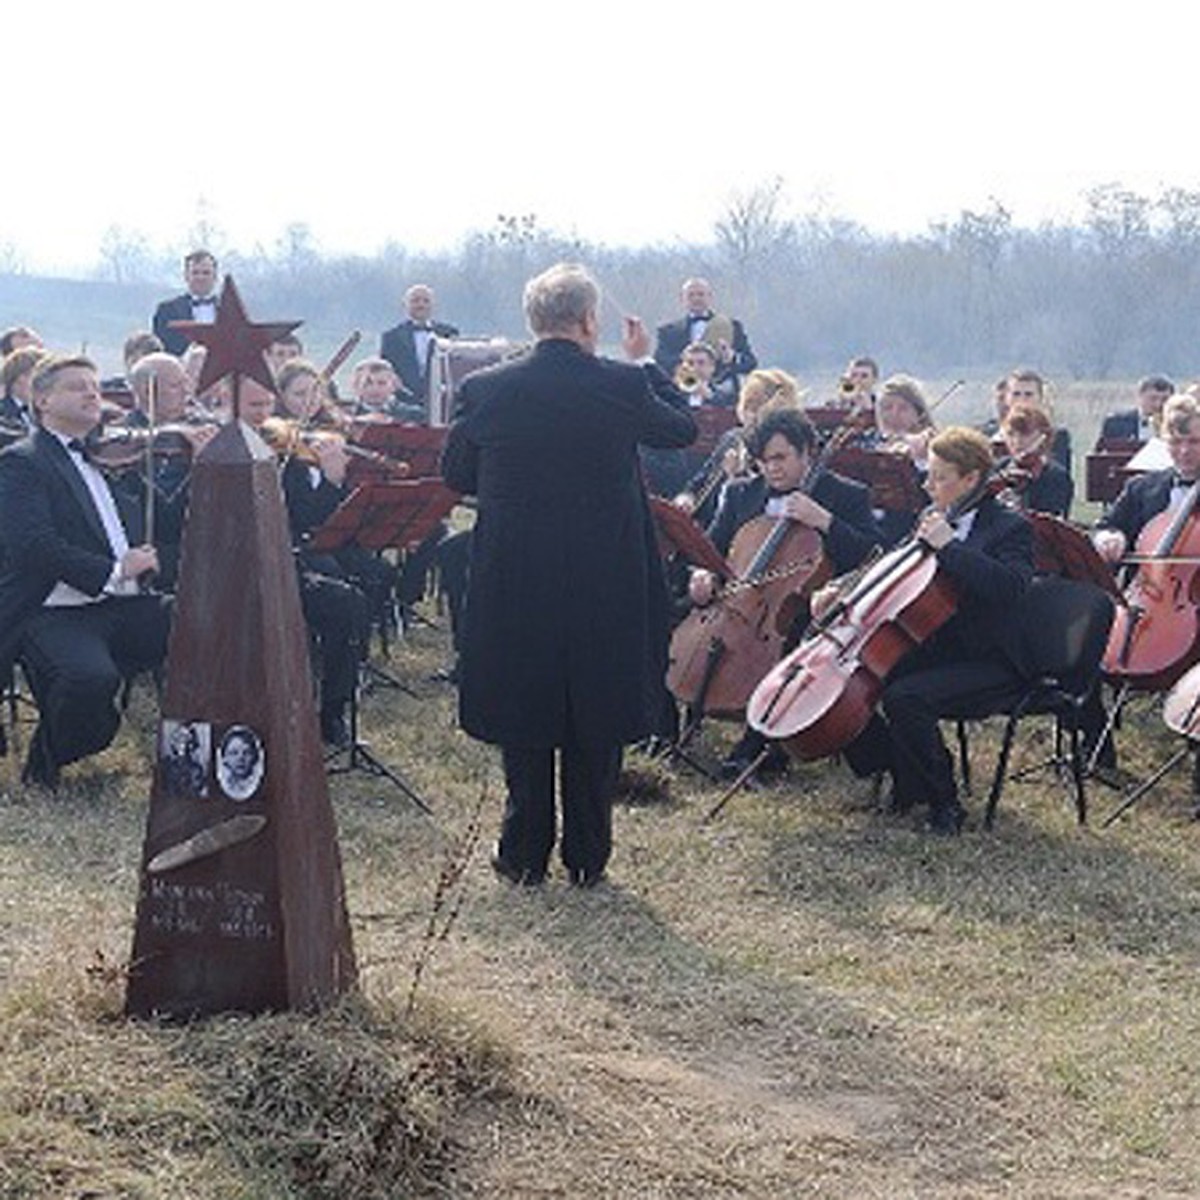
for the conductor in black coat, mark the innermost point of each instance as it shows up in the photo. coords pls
(409, 345)
(565, 622)
(69, 604)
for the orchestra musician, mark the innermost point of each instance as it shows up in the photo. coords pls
(1140, 423)
(783, 445)
(16, 375)
(373, 383)
(284, 349)
(735, 357)
(858, 383)
(70, 609)
(198, 303)
(903, 425)
(1145, 496)
(17, 337)
(1042, 486)
(409, 345)
(565, 624)
(1024, 386)
(971, 665)
(765, 388)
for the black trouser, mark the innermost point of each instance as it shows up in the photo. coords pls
(76, 658)
(587, 782)
(336, 612)
(909, 742)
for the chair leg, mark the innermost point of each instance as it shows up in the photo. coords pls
(1078, 772)
(964, 758)
(1010, 729)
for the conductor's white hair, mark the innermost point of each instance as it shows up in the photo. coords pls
(558, 300)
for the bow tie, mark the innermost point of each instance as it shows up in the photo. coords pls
(1178, 481)
(197, 301)
(704, 316)
(420, 328)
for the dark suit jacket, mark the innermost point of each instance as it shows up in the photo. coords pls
(51, 532)
(566, 615)
(399, 347)
(991, 569)
(11, 413)
(178, 308)
(1143, 497)
(851, 537)
(675, 337)
(1124, 426)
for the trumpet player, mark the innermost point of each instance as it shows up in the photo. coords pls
(696, 375)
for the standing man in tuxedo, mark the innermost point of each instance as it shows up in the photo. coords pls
(565, 625)
(735, 358)
(198, 303)
(409, 345)
(70, 609)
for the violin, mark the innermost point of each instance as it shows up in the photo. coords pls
(117, 448)
(1155, 636)
(819, 698)
(291, 439)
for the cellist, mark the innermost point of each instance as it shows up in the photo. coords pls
(971, 664)
(783, 444)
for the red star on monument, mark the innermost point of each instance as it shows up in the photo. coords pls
(235, 344)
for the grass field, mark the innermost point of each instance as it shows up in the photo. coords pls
(806, 997)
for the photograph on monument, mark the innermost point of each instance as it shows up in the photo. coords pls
(241, 762)
(184, 754)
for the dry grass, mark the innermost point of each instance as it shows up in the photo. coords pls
(804, 998)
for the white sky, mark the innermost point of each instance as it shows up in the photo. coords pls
(625, 123)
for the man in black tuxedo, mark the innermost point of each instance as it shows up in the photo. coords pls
(70, 610)
(198, 303)
(565, 623)
(409, 345)
(735, 357)
(1139, 424)
(16, 375)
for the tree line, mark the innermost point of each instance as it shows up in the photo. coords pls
(1109, 295)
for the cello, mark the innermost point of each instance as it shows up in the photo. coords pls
(1156, 634)
(820, 697)
(721, 650)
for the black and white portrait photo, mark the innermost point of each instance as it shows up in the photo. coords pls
(241, 762)
(184, 754)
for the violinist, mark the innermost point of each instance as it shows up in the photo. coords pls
(1040, 484)
(161, 395)
(971, 664)
(1024, 386)
(903, 426)
(783, 445)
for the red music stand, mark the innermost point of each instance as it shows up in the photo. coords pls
(383, 516)
(418, 445)
(386, 516)
(1104, 467)
(679, 534)
(894, 482)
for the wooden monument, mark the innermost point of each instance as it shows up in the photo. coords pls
(241, 904)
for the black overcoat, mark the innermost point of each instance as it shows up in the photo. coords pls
(565, 624)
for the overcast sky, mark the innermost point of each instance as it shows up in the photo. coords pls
(625, 123)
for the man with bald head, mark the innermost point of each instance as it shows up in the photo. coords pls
(734, 356)
(409, 345)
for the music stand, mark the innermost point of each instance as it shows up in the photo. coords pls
(678, 533)
(418, 445)
(383, 516)
(1105, 469)
(894, 482)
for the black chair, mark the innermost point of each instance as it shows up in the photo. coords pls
(1064, 627)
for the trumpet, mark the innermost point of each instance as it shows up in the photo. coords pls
(686, 380)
